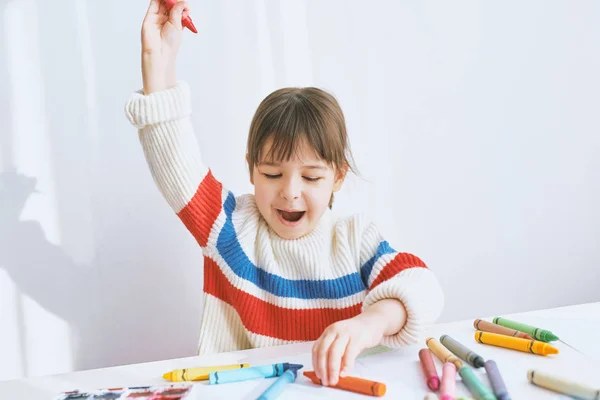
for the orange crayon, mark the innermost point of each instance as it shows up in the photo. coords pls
(486, 326)
(515, 343)
(352, 384)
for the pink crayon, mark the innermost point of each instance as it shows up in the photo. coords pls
(433, 381)
(448, 386)
(186, 21)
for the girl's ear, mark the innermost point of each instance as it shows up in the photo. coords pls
(340, 175)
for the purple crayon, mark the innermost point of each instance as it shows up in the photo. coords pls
(496, 380)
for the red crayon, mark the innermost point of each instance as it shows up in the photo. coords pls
(186, 21)
(433, 380)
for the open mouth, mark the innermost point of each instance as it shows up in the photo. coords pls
(291, 216)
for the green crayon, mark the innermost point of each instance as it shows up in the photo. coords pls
(475, 386)
(537, 333)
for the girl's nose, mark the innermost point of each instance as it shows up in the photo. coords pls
(291, 189)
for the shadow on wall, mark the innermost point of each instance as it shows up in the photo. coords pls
(137, 295)
(42, 270)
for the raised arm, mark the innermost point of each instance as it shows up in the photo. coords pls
(161, 112)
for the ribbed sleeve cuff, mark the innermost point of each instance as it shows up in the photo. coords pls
(167, 105)
(422, 297)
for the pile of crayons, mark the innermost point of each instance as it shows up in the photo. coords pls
(286, 373)
(502, 333)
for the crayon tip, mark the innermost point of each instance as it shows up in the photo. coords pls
(433, 383)
(551, 350)
(190, 25)
(168, 376)
(295, 366)
(378, 389)
(551, 337)
(478, 362)
(312, 376)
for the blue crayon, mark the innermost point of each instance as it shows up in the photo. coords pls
(244, 374)
(276, 388)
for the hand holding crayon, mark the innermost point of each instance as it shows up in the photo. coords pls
(161, 41)
(186, 21)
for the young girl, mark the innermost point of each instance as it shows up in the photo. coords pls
(279, 267)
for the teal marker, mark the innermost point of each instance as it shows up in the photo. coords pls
(279, 385)
(537, 333)
(477, 389)
(244, 374)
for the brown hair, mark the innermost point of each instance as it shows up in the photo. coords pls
(290, 115)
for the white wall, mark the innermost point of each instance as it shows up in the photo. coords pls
(475, 127)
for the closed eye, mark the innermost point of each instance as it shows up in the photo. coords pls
(312, 179)
(270, 176)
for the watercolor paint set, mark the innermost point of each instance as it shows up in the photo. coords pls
(161, 392)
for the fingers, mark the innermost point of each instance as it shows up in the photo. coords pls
(319, 355)
(153, 7)
(163, 9)
(352, 351)
(176, 13)
(334, 358)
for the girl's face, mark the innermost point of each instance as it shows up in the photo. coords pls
(293, 195)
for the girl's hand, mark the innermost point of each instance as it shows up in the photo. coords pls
(161, 40)
(334, 353)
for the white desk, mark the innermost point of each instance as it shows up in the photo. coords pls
(399, 369)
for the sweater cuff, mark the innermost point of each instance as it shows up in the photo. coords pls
(422, 297)
(167, 105)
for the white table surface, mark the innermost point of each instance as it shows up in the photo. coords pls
(400, 370)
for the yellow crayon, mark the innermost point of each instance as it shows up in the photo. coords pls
(198, 374)
(515, 343)
(442, 353)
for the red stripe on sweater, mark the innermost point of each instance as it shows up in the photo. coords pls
(401, 262)
(266, 319)
(200, 213)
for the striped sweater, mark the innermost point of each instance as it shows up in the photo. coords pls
(260, 289)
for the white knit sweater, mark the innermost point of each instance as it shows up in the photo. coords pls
(259, 289)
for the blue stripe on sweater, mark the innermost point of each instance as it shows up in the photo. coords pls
(230, 249)
(367, 268)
